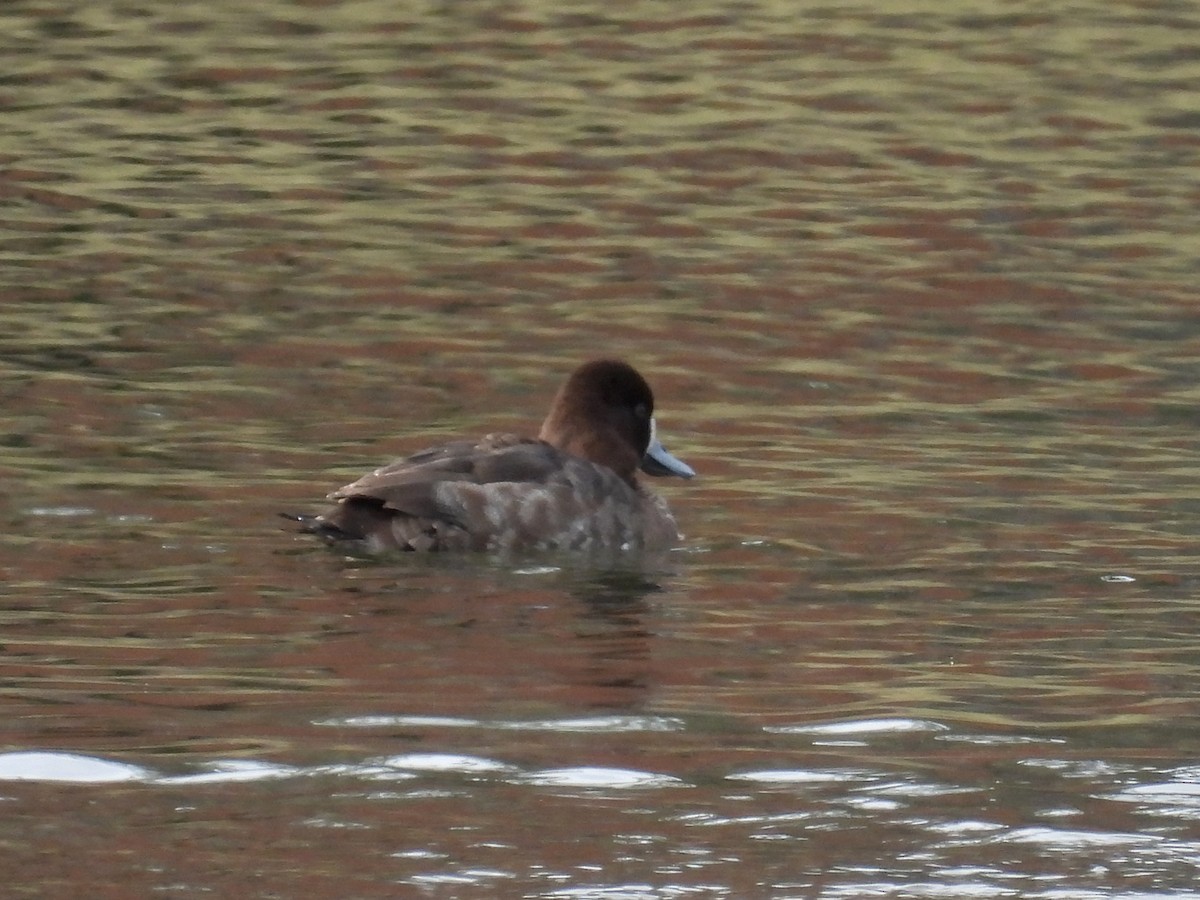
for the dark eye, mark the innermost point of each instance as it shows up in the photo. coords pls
(641, 411)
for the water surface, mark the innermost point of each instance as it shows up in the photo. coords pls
(916, 291)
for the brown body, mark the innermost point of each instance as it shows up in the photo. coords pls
(574, 487)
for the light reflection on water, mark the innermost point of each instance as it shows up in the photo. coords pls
(935, 813)
(915, 287)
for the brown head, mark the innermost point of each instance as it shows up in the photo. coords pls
(604, 413)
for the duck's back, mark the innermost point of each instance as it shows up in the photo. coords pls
(503, 492)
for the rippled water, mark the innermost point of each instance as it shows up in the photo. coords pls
(916, 289)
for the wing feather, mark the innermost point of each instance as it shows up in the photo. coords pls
(408, 485)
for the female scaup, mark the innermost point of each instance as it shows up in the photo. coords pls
(574, 487)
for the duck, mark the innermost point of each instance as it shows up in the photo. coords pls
(573, 487)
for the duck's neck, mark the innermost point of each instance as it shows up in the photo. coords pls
(588, 443)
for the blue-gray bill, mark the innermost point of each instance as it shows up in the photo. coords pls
(657, 461)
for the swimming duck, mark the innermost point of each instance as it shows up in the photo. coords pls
(573, 487)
